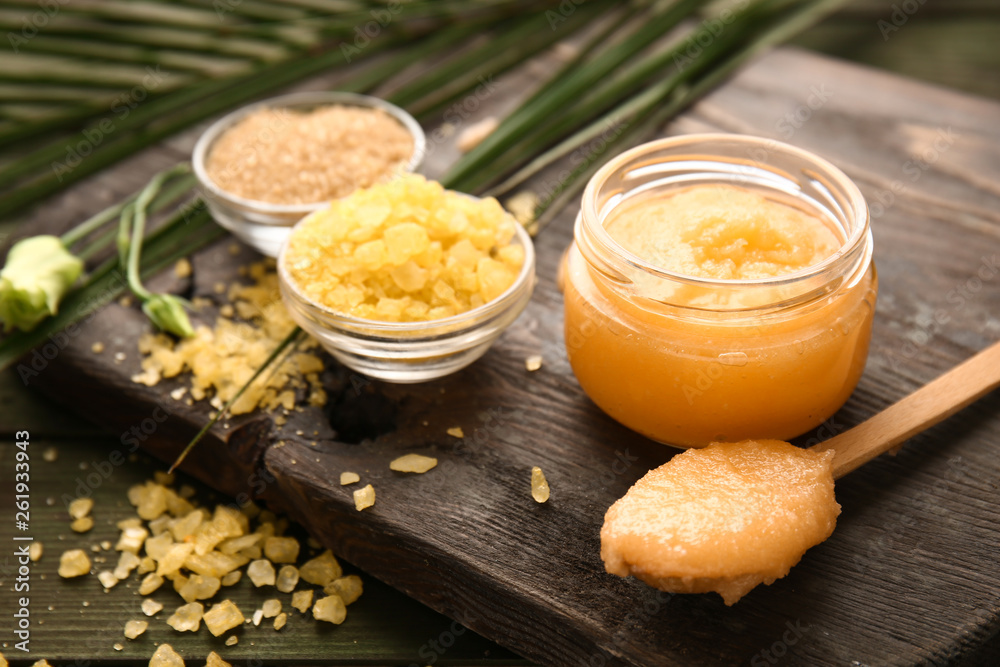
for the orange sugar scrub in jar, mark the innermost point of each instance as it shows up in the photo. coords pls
(719, 288)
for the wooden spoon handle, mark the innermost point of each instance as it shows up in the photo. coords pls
(932, 403)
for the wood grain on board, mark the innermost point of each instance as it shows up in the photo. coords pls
(908, 577)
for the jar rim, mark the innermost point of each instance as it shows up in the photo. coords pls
(592, 223)
(293, 101)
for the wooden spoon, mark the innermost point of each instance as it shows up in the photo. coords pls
(932, 403)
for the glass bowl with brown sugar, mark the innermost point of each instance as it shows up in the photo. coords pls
(264, 167)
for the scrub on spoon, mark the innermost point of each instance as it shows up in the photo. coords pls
(731, 516)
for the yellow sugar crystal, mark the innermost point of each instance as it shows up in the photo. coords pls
(533, 363)
(151, 607)
(271, 608)
(261, 573)
(280, 620)
(364, 498)
(127, 562)
(81, 507)
(166, 656)
(222, 617)
(214, 563)
(35, 551)
(232, 578)
(107, 579)
(302, 600)
(174, 559)
(131, 539)
(83, 524)
(349, 478)
(73, 563)
(150, 583)
(213, 659)
(198, 587)
(456, 432)
(330, 609)
(539, 485)
(321, 570)
(281, 549)
(187, 618)
(135, 628)
(413, 463)
(288, 577)
(349, 588)
(182, 269)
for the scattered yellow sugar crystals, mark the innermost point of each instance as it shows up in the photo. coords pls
(97, 347)
(533, 363)
(166, 656)
(539, 485)
(35, 551)
(303, 157)
(135, 628)
(364, 498)
(456, 432)
(232, 640)
(349, 478)
(74, 563)
(330, 609)
(222, 617)
(405, 251)
(280, 620)
(50, 454)
(222, 359)
(413, 463)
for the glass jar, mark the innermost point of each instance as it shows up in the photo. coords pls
(688, 360)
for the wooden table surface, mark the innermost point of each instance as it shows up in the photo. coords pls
(385, 628)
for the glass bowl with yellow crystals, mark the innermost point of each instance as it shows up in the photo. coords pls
(407, 281)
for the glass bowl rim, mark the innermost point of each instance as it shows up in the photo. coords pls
(293, 100)
(457, 323)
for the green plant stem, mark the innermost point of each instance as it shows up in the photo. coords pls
(186, 231)
(562, 94)
(785, 28)
(136, 214)
(290, 339)
(169, 195)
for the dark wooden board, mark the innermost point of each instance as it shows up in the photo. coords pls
(910, 575)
